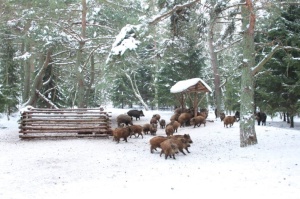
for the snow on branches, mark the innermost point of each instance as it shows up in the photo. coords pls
(125, 40)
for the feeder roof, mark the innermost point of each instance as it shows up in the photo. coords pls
(190, 85)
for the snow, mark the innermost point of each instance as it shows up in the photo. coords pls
(217, 166)
(184, 84)
(25, 56)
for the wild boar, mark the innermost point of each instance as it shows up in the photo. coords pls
(222, 116)
(229, 120)
(197, 121)
(152, 128)
(261, 117)
(162, 123)
(123, 118)
(153, 120)
(157, 116)
(174, 117)
(169, 130)
(146, 128)
(136, 129)
(136, 113)
(187, 137)
(204, 112)
(119, 133)
(183, 118)
(183, 110)
(168, 148)
(181, 143)
(237, 116)
(175, 125)
(156, 141)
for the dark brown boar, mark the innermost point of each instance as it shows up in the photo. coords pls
(136, 129)
(119, 133)
(123, 118)
(169, 130)
(157, 116)
(174, 117)
(156, 141)
(229, 120)
(183, 118)
(222, 116)
(183, 110)
(197, 121)
(181, 143)
(136, 113)
(204, 112)
(153, 120)
(162, 123)
(169, 148)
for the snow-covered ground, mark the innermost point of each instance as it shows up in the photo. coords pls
(95, 167)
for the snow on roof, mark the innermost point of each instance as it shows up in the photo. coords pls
(185, 84)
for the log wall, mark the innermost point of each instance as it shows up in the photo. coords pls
(39, 123)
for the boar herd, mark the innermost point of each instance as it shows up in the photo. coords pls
(169, 144)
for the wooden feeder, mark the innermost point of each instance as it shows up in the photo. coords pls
(190, 87)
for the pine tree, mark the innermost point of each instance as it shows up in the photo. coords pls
(278, 88)
(9, 70)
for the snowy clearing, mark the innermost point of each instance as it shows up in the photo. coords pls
(93, 168)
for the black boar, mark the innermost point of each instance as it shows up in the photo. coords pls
(237, 116)
(123, 118)
(229, 120)
(222, 116)
(135, 113)
(261, 117)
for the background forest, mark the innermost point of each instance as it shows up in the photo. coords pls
(63, 53)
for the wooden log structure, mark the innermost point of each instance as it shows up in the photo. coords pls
(55, 123)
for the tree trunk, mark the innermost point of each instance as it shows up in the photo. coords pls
(214, 64)
(38, 81)
(27, 74)
(292, 122)
(247, 122)
(81, 102)
(136, 92)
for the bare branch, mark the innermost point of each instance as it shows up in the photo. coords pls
(167, 14)
(228, 46)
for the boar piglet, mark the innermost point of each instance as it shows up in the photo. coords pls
(229, 120)
(156, 141)
(168, 148)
